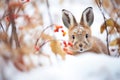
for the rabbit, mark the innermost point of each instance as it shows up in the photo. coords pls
(80, 34)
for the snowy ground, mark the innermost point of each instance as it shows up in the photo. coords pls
(87, 66)
(84, 67)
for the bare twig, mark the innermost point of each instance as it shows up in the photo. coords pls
(2, 27)
(51, 22)
(115, 7)
(99, 4)
(43, 32)
(48, 7)
(14, 33)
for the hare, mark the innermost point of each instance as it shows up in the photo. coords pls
(80, 33)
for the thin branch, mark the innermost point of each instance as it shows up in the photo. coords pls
(43, 32)
(99, 4)
(2, 27)
(51, 22)
(48, 7)
(115, 7)
(14, 33)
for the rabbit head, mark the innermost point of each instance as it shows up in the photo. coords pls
(79, 33)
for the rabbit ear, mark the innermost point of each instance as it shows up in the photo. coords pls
(87, 16)
(68, 18)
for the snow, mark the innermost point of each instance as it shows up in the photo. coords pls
(88, 66)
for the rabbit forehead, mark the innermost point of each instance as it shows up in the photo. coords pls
(79, 29)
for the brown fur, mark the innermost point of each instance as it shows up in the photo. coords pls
(80, 34)
(96, 46)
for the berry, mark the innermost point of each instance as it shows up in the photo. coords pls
(70, 44)
(64, 33)
(37, 48)
(65, 44)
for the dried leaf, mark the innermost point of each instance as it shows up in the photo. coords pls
(117, 2)
(46, 37)
(3, 36)
(112, 30)
(102, 28)
(56, 48)
(21, 65)
(115, 42)
(106, 4)
(14, 5)
(109, 23)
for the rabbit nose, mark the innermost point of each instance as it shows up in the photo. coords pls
(80, 45)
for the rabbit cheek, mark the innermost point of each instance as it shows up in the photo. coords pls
(88, 44)
(75, 46)
(84, 45)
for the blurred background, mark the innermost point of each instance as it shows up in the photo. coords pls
(26, 52)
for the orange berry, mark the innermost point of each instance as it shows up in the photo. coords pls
(64, 33)
(57, 26)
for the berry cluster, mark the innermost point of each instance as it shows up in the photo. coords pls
(57, 28)
(13, 16)
(66, 45)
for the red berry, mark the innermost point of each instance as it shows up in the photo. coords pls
(65, 49)
(65, 44)
(70, 44)
(62, 31)
(37, 48)
(7, 18)
(56, 30)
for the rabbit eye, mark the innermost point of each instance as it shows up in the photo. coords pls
(86, 36)
(73, 36)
